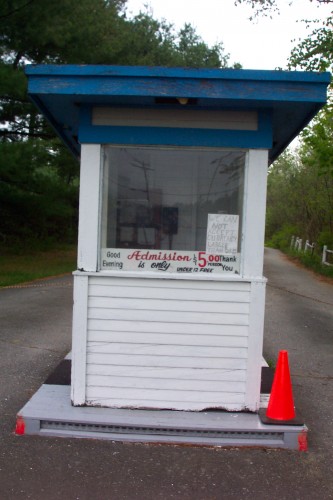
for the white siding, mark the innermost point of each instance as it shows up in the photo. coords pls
(167, 343)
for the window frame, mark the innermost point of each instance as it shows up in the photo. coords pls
(100, 268)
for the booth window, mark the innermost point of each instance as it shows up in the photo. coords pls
(160, 198)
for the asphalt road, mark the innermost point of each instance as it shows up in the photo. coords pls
(35, 331)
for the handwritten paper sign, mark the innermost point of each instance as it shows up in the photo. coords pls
(222, 234)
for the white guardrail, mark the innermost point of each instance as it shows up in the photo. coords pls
(324, 258)
(309, 247)
(296, 244)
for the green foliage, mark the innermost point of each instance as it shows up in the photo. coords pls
(314, 262)
(281, 238)
(325, 238)
(147, 41)
(38, 202)
(282, 207)
(300, 184)
(59, 32)
(193, 51)
(315, 52)
(300, 195)
(27, 265)
(317, 144)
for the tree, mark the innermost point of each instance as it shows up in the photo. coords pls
(317, 155)
(147, 41)
(300, 187)
(38, 177)
(267, 7)
(59, 32)
(315, 52)
(281, 213)
(317, 142)
(36, 202)
(193, 51)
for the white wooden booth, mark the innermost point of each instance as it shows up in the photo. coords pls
(169, 294)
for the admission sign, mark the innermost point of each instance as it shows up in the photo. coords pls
(115, 259)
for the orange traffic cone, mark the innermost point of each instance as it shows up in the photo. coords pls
(281, 402)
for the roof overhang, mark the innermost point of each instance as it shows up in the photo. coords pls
(292, 99)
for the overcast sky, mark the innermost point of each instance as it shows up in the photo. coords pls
(262, 44)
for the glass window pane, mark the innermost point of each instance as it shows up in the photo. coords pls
(160, 198)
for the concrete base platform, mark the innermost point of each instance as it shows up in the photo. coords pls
(50, 413)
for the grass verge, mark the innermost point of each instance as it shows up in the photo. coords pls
(314, 262)
(16, 269)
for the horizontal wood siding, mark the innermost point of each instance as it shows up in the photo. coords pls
(167, 343)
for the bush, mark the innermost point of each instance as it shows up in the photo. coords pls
(325, 238)
(281, 239)
(314, 262)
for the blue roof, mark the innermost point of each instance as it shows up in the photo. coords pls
(291, 98)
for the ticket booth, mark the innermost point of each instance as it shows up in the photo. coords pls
(169, 292)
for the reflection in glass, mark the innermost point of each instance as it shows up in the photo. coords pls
(160, 198)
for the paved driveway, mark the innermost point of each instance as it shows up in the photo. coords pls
(35, 330)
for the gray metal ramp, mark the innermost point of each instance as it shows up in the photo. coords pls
(50, 413)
